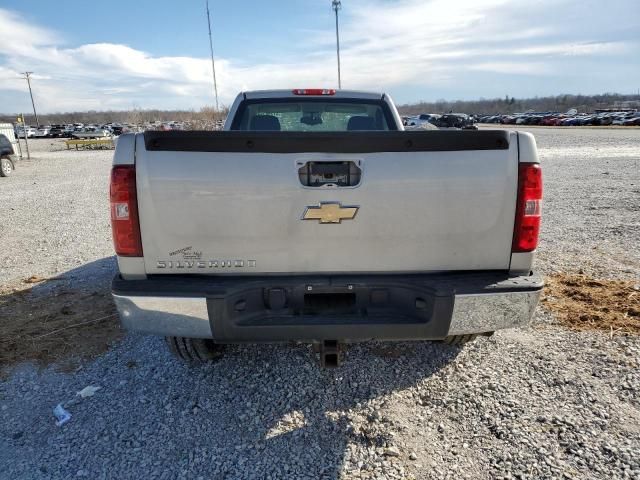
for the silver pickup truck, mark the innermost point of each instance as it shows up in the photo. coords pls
(315, 218)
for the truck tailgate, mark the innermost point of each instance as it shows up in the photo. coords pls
(233, 202)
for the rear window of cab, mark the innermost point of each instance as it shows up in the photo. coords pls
(313, 115)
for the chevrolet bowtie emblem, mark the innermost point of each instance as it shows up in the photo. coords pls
(330, 212)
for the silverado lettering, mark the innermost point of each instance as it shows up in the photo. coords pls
(205, 263)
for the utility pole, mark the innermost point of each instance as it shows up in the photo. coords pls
(337, 5)
(213, 64)
(27, 76)
(24, 130)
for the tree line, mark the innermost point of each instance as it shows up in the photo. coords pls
(203, 117)
(207, 116)
(495, 106)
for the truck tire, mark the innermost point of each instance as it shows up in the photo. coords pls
(194, 350)
(459, 339)
(6, 167)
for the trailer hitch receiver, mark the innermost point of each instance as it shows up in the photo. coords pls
(329, 353)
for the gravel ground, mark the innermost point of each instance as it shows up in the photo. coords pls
(591, 202)
(540, 402)
(55, 211)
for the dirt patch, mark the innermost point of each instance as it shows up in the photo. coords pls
(56, 325)
(581, 302)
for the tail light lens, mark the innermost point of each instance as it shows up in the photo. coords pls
(125, 224)
(528, 208)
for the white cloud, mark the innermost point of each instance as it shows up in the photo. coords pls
(518, 68)
(386, 45)
(18, 37)
(575, 49)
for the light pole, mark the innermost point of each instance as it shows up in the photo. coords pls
(337, 5)
(213, 64)
(26, 76)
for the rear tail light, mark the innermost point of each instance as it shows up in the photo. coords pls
(314, 91)
(528, 208)
(124, 211)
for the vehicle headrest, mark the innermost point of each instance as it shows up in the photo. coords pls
(265, 122)
(361, 123)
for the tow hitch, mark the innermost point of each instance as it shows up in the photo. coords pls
(329, 353)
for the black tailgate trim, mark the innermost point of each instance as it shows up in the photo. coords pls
(327, 142)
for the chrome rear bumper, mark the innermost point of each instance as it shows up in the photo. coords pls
(488, 312)
(413, 307)
(167, 316)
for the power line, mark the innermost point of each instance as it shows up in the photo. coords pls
(27, 76)
(337, 5)
(213, 64)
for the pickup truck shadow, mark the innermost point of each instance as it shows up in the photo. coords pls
(308, 418)
(263, 409)
(306, 412)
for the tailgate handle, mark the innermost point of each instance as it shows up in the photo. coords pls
(330, 173)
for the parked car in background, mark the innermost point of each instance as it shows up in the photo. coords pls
(455, 120)
(633, 120)
(42, 132)
(28, 132)
(92, 132)
(421, 119)
(422, 126)
(8, 157)
(68, 130)
(570, 118)
(56, 131)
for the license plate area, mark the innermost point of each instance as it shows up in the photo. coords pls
(329, 303)
(312, 308)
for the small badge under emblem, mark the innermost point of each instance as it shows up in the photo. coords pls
(330, 212)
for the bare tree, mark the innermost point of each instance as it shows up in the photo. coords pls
(207, 117)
